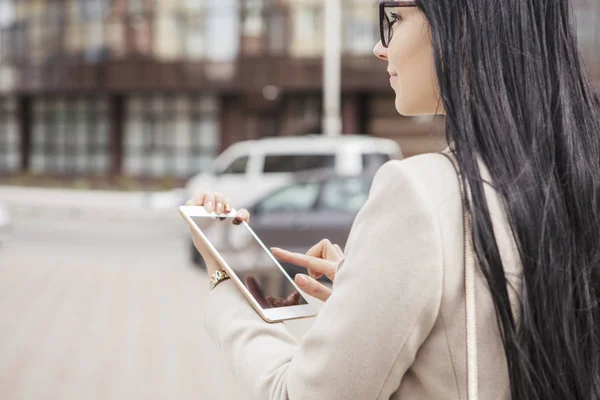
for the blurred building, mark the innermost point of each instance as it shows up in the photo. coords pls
(159, 87)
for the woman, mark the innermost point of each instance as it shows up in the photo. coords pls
(523, 123)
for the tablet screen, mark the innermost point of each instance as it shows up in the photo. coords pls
(251, 261)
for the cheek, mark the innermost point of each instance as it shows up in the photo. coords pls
(411, 56)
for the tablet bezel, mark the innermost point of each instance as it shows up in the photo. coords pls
(270, 315)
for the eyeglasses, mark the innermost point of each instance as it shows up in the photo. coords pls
(387, 18)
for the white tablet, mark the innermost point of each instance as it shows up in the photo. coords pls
(253, 268)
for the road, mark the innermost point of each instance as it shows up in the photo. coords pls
(94, 307)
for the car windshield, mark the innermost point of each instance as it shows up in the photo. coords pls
(347, 195)
(294, 198)
(238, 166)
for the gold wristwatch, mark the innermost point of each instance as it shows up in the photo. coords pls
(217, 277)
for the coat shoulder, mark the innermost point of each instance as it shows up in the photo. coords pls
(432, 175)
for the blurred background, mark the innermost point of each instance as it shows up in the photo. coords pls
(113, 113)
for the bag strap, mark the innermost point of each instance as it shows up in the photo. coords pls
(470, 289)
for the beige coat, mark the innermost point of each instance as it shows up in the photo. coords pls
(395, 324)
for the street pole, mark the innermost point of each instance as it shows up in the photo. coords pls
(332, 68)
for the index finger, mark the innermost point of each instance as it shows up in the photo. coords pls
(311, 263)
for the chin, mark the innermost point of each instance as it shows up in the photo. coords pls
(412, 110)
(403, 108)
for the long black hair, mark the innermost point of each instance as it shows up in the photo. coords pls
(517, 94)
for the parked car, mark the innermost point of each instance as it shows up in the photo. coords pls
(248, 170)
(300, 214)
(5, 223)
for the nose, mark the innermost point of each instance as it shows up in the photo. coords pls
(380, 51)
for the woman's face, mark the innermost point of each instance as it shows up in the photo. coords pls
(411, 65)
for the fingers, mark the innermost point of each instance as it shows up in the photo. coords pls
(339, 250)
(211, 202)
(219, 203)
(315, 275)
(242, 215)
(319, 249)
(222, 204)
(326, 250)
(312, 287)
(314, 264)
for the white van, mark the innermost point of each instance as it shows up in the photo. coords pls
(249, 169)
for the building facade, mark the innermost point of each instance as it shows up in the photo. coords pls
(157, 88)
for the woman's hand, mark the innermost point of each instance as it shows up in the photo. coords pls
(322, 259)
(220, 205)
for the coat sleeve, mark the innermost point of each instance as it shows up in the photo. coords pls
(385, 301)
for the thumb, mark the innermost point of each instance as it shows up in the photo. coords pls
(312, 287)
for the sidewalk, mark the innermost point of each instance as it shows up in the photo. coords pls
(106, 204)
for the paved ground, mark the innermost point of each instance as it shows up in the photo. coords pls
(94, 307)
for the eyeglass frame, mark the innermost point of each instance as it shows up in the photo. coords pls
(382, 6)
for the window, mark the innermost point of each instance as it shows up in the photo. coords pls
(53, 25)
(372, 161)
(7, 32)
(296, 163)
(307, 32)
(70, 136)
(170, 136)
(169, 34)
(93, 10)
(360, 27)
(238, 166)
(308, 20)
(7, 13)
(139, 26)
(277, 31)
(296, 198)
(10, 141)
(222, 30)
(192, 32)
(345, 194)
(253, 24)
(136, 6)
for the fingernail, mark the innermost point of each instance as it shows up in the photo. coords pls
(301, 280)
(227, 207)
(219, 209)
(208, 206)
